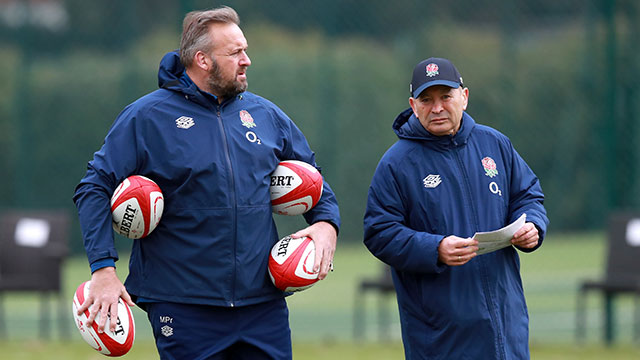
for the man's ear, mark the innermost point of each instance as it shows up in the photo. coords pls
(465, 95)
(202, 61)
(412, 103)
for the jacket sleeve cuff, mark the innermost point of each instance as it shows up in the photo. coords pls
(335, 226)
(102, 263)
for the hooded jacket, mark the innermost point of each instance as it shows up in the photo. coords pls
(213, 164)
(428, 187)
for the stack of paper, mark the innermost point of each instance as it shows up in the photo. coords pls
(498, 239)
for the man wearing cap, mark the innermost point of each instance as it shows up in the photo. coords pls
(445, 179)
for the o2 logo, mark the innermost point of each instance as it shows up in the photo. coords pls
(252, 137)
(493, 187)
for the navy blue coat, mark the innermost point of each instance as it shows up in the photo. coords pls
(428, 187)
(213, 241)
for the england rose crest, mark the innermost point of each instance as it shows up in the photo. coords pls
(432, 70)
(490, 168)
(247, 119)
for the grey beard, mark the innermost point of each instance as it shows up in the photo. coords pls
(223, 88)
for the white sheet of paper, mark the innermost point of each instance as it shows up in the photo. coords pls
(498, 239)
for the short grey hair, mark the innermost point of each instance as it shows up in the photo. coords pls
(195, 31)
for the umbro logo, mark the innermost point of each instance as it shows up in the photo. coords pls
(166, 330)
(431, 181)
(184, 122)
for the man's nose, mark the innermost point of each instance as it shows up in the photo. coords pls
(244, 60)
(437, 106)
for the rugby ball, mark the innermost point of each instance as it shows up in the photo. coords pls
(116, 343)
(295, 188)
(136, 207)
(291, 264)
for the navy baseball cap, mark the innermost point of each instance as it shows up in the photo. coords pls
(434, 71)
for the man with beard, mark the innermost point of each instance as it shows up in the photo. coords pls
(210, 145)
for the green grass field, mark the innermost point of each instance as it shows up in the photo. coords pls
(322, 317)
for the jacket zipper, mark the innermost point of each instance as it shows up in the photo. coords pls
(233, 202)
(485, 287)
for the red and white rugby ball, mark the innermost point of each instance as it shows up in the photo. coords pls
(295, 188)
(136, 207)
(291, 264)
(116, 343)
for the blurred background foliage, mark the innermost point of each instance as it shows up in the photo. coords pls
(560, 78)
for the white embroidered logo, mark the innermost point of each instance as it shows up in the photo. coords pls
(166, 330)
(184, 122)
(493, 187)
(431, 181)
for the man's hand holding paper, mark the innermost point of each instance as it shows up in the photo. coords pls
(516, 233)
(527, 237)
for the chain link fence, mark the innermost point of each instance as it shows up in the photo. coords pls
(560, 78)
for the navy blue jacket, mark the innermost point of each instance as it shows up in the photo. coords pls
(213, 241)
(428, 187)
